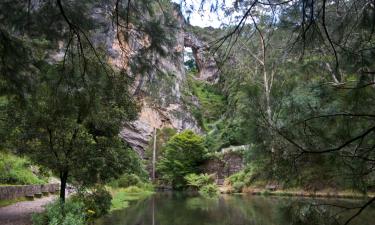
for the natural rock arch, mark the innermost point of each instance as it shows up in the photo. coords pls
(206, 63)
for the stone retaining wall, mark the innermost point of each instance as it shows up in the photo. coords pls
(224, 166)
(18, 191)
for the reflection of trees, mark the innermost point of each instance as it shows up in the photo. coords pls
(173, 209)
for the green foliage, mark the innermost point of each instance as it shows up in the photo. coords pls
(64, 122)
(96, 202)
(204, 183)
(198, 181)
(122, 196)
(240, 180)
(65, 109)
(241, 176)
(238, 186)
(17, 170)
(127, 180)
(211, 100)
(209, 190)
(57, 213)
(6, 202)
(133, 189)
(191, 66)
(131, 181)
(162, 137)
(182, 155)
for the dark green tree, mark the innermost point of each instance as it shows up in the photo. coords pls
(182, 155)
(71, 121)
(61, 103)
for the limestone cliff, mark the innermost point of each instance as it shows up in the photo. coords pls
(159, 90)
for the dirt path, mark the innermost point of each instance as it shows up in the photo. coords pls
(20, 213)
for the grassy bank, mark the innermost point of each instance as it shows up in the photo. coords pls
(327, 193)
(15, 170)
(122, 196)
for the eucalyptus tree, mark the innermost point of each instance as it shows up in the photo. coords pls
(324, 86)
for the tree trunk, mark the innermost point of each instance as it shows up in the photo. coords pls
(63, 180)
(154, 157)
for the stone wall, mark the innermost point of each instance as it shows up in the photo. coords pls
(224, 165)
(19, 191)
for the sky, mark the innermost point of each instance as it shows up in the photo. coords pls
(204, 18)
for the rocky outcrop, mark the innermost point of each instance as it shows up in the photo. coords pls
(138, 133)
(160, 88)
(206, 63)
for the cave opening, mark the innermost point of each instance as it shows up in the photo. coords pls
(190, 63)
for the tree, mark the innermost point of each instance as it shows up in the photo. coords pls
(71, 121)
(182, 155)
(65, 105)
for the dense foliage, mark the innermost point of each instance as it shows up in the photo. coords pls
(70, 213)
(298, 83)
(17, 170)
(204, 183)
(182, 155)
(61, 102)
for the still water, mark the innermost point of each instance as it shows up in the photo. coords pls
(183, 209)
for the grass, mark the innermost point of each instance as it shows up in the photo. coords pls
(328, 193)
(121, 197)
(7, 202)
(16, 170)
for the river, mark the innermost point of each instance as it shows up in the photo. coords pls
(188, 209)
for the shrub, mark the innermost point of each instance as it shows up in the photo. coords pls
(204, 183)
(209, 190)
(240, 179)
(56, 213)
(237, 177)
(128, 180)
(133, 189)
(146, 186)
(238, 185)
(182, 155)
(98, 202)
(198, 181)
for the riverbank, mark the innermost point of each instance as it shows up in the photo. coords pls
(326, 193)
(122, 196)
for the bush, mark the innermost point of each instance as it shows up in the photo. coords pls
(204, 183)
(241, 179)
(182, 155)
(56, 213)
(198, 181)
(98, 203)
(237, 186)
(133, 189)
(16, 170)
(146, 186)
(128, 180)
(209, 190)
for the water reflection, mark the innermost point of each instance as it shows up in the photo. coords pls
(183, 209)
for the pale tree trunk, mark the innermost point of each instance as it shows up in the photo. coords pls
(267, 82)
(154, 157)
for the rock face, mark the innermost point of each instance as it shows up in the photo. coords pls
(206, 63)
(160, 90)
(224, 165)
